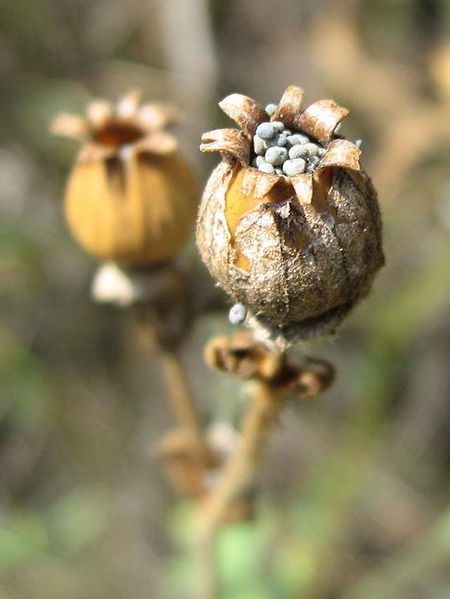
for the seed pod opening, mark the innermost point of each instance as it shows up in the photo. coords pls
(129, 198)
(297, 250)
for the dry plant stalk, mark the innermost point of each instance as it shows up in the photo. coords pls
(274, 379)
(289, 226)
(131, 200)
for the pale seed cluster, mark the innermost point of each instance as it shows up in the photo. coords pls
(278, 150)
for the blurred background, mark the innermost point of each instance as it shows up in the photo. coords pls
(354, 497)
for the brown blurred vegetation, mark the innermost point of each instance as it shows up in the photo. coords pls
(354, 498)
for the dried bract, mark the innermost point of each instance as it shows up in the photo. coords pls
(289, 224)
(248, 359)
(129, 198)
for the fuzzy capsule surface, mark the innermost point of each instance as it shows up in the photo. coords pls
(299, 252)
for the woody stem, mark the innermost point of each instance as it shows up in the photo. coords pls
(237, 477)
(183, 406)
(180, 398)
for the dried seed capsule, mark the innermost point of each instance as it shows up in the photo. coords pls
(237, 314)
(300, 250)
(265, 131)
(270, 109)
(298, 151)
(276, 155)
(129, 197)
(265, 167)
(294, 167)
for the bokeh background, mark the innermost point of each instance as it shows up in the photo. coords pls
(353, 501)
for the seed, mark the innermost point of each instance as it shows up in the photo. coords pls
(276, 155)
(278, 140)
(287, 132)
(265, 167)
(312, 149)
(298, 138)
(257, 161)
(265, 130)
(270, 109)
(279, 171)
(298, 151)
(357, 142)
(294, 167)
(278, 126)
(237, 313)
(259, 145)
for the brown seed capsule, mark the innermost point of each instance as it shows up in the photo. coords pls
(129, 197)
(298, 251)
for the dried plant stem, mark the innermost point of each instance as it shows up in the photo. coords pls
(236, 478)
(183, 406)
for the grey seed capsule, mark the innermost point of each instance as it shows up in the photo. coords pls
(298, 138)
(259, 145)
(313, 150)
(265, 167)
(278, 126)
(279, 171)
(298, 151)
(276, 155)
(270, 109)
(265, 130)
(237, 314)
(277, 140)
(286, 132)
(294, 167)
